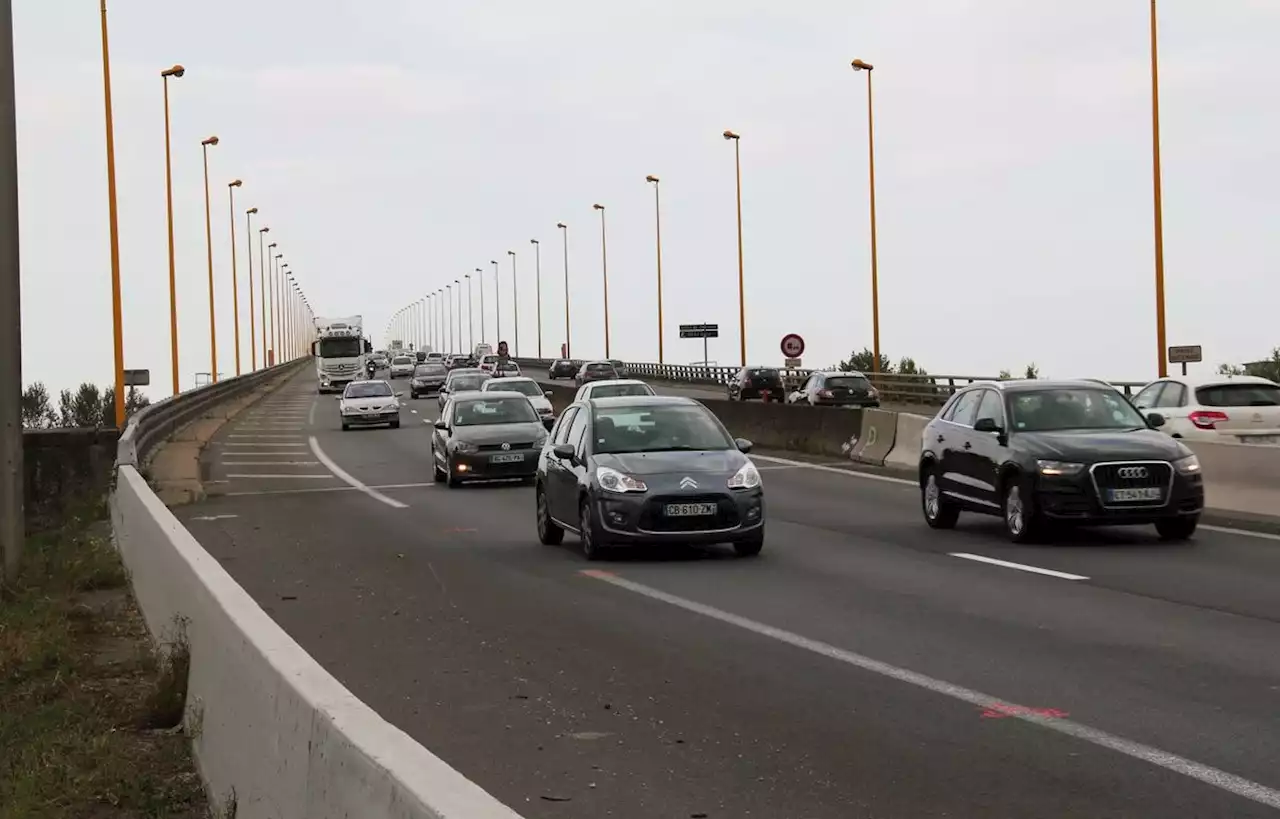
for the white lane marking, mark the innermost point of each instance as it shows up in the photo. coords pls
(311, 414)
(346, 477)
(270, 463)
(214, 517)
(283, 477)
(415, 412)
(1145, 753)
(853, 473)
(1019, 566)
(264, 436)
(311, 490)
(281, 445)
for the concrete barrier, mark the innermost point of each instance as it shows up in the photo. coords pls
(906, 446)
(274, 734)
(879, 429)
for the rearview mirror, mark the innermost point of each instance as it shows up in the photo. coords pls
(441, 424)
(986, 425)
(1155, 420)
(743, 444)
(564, 452)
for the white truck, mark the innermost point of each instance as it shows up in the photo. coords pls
(340, 351)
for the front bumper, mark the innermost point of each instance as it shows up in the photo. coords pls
(638, 519)
(371, 419)
(481, 466)
(1075, 499)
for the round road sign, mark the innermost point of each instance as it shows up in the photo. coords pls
(792, 345)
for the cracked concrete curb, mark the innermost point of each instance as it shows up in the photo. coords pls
(174, 470)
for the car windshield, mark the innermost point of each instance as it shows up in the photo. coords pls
(467, 382)
(341, 347)
(1072, 408)
(375, 389)
(402, 359)
(493, 411)
(848, 382)
(615, 390)
(660, 428)
(428, 369)
(1239, 395)
(523, 387)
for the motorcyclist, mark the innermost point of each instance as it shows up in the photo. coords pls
(372, 367)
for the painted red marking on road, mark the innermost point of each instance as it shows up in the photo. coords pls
(1000, 711)
(596, 573)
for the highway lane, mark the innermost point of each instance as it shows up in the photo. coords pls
(540, 682)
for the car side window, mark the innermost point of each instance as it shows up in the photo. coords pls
(1149, 396)
(991, 406)
(966, 407)
(561, 433)
(577, 430)
(1174, 395)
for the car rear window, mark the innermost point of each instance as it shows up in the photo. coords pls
(851, 382)
(493, 411)
(770, 375)
(429, 369)
(1238, 395)
(596, 368)
(402, 359)
(616, 390)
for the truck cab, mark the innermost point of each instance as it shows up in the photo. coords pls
(339, 350)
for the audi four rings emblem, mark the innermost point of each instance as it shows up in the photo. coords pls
(1133, 472)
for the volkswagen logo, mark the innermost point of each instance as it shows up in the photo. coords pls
(508, 446)
(1132, 472)
(688, 483)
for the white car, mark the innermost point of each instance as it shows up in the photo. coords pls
(612, 387)
(540, 399)
(488, 363)
(402, 366)
(369, 403)
(1228, 408)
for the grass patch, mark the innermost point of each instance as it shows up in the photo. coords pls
(86, 701)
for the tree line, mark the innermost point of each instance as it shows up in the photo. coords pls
(864, 361)
(1268, 368)
(87, 406)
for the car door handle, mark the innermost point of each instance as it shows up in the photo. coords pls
(941, 439)
(968, 445)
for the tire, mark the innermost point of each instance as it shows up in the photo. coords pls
(750, 547)
(451, 479)
(345, 426)
(1023, 523)
(1181, 528)
(548, 532)
(395, 424)
(939, 511)
(591, 548)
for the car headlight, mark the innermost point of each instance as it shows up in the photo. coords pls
(464, 446)
(540, 441)
(1189, 465)
(748, 477)
(348, 410)
(1059, 468)
(614, 481)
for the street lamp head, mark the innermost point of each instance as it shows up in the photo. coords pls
(176, 71)
(253, 210)
(477, 270)
(265, 230)
(511, 253)
(651, 178)
(237, 183)
(213, 140)
(279, 255)
(598, 207)
(562, 225)
(730, 135)
(271, 246)
(859, 65)
(533, 241)
(491, 261)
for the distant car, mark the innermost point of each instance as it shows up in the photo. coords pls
(836, 389)
(764, 383)
(380, 361)
(487, 363)
(428, 377)
(459, 381)
(612, 389)
(1038, 453)
(620, 368)
(435, 357)
(562, 368)
(540, 399)
(420, 356)
(596, 371)
(506, 368)
(645, 470)
(369, 403)
(487, 435)
(1232, 408)
(402, 366)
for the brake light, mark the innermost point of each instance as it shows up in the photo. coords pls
(1205, 419)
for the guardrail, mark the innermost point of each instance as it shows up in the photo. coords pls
(275, 735)
(895, 388)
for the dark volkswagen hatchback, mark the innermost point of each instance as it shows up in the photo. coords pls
(1068, 452)
(646, 469)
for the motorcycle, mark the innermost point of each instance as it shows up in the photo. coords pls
(372, 368)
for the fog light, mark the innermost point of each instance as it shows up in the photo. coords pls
(753, 513)
(463, 467)
(618, 518)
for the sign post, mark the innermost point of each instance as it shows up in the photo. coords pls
(1187, 354)
(704, 332)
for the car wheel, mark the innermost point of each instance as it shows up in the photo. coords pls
(451, 477)
(345, 426)
(1022, 521)
(548, 532)
(939, 511)
(395, 424)
(591, 548)
(751, 547)
(1177, 528)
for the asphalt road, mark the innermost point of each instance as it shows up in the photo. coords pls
(853, 670)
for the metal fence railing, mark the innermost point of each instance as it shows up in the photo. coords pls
(895, 388)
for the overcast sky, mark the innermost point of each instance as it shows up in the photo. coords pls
(395, 146)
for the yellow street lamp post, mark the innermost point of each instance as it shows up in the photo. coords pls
(515, 305)
(117, 318)
(1158, 196)
(208, 240)
(497, 298)
(262, 292)
(175, 71)
(253, 322)
(604, 268)
(742, 301)
(859, 65)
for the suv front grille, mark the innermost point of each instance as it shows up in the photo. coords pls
(1132, 475)
(498, 447)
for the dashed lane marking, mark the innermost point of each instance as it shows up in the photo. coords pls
(1022, 567)
(260, 476)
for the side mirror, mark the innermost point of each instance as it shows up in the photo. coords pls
(442, 425)
(1155, 420)
(547, 394)
(400, 394)
(564, 452)
(986, 425)
(744, 445)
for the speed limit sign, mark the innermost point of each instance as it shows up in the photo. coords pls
(792, 345)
